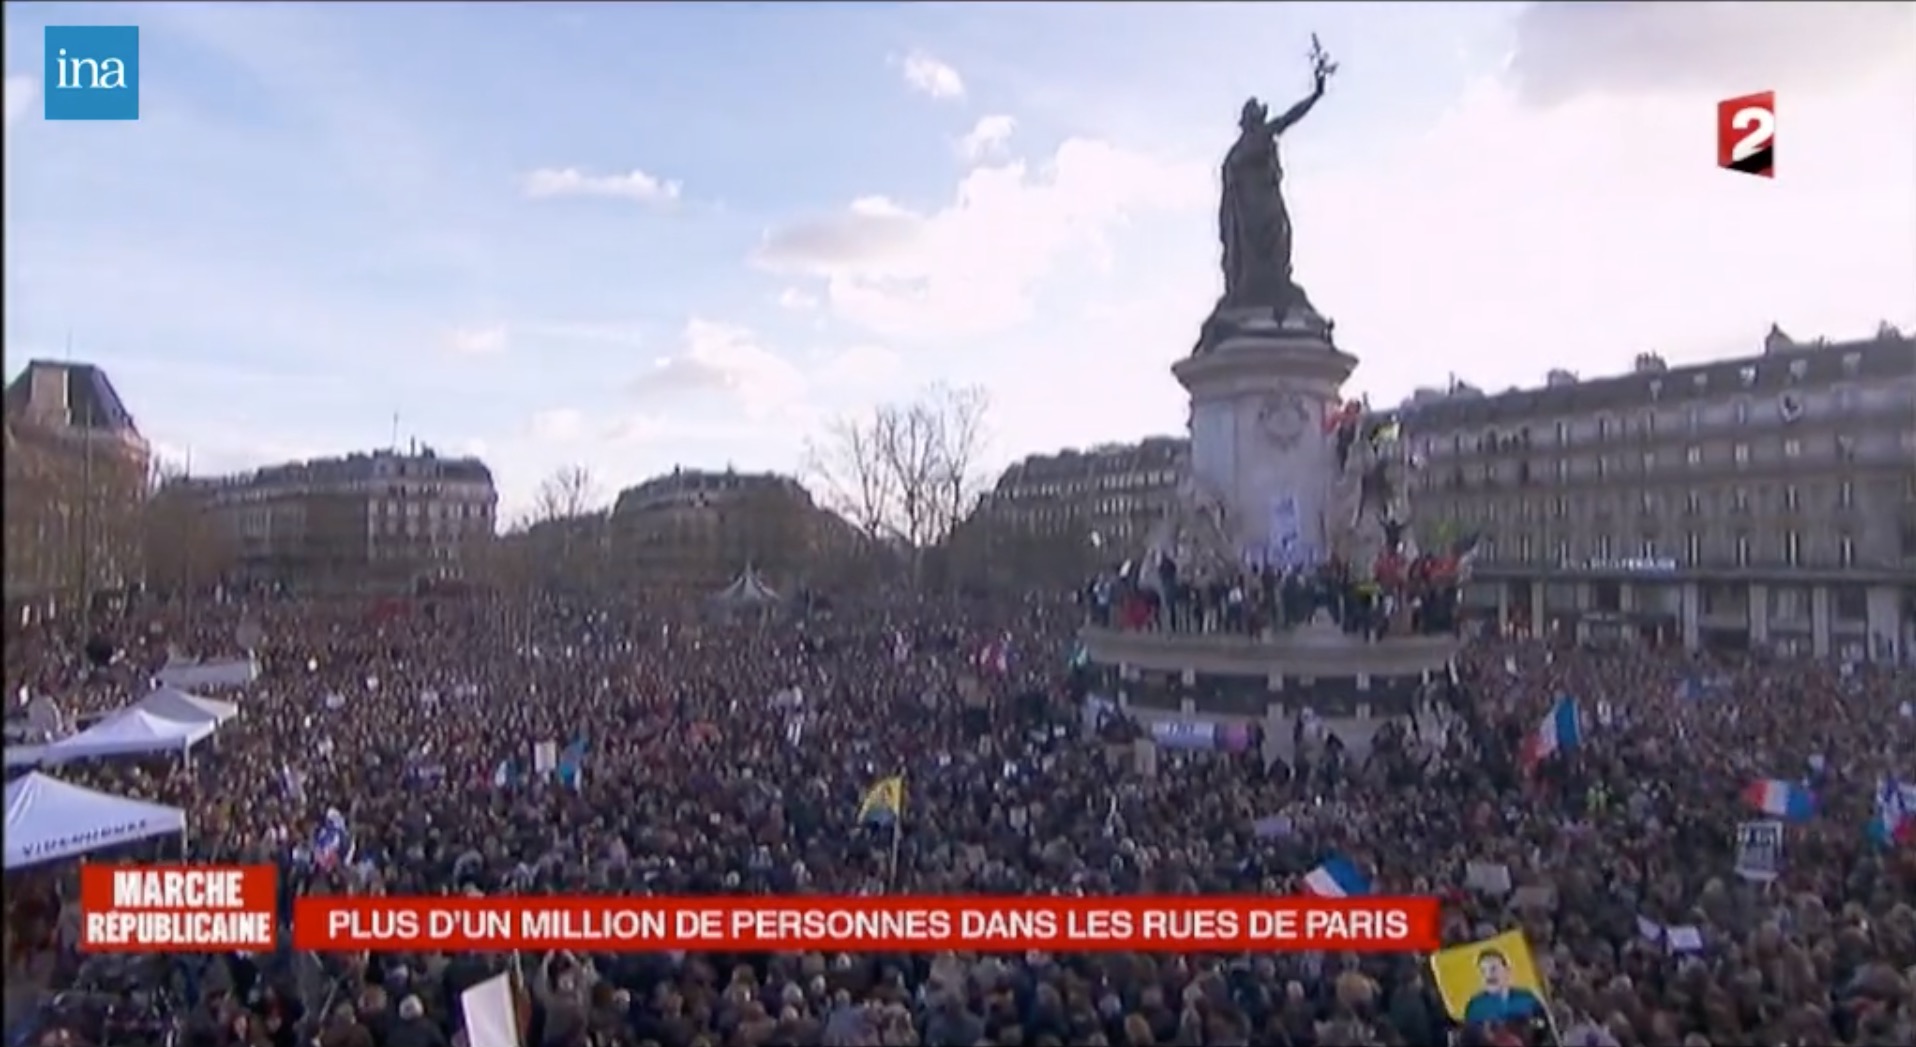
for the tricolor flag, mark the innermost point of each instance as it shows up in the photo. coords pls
(1895, 820)
(1780, 799)
(1337, 877)
(1560, 731)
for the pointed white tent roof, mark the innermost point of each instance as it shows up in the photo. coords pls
(747, 588)
(171, 703)
(126, 733)
(48, 819)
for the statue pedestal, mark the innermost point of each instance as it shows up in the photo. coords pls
(1259, 397)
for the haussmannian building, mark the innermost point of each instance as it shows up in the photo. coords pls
(77, 478)
(1059, 517)
(384, 521)
(698, 529)
(1762, 502)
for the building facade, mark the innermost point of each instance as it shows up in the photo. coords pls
(1760, 502)
(697, 529)
(1059, 517)
(383, 521)
(77, 475)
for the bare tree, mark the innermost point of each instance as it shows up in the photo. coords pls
(570, 492)
(186, 549)
(908, 472)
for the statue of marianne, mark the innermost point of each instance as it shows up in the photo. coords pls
(1253, 222)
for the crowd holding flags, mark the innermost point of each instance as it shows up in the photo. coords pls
(1780, 799)
(1336, 877)
(884, 804)
(1561, 731)
(1895, 819)
(332, 844)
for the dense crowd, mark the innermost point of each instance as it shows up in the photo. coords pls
(416, 726)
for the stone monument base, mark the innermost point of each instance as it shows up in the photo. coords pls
(1316, 666)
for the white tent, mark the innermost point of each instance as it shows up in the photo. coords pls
(48, 819)
(170, 703)
(126, 733)
(747, 590)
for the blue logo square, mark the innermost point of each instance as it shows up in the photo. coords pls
(92, 72)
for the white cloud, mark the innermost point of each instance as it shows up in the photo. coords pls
(570, 181)
(929, 76)
(796, 300)
(860, 367)
(728, 360)
(972, 268)
(557, 425)
(478, 341)
(987, 137)
(1566, 50)
(21, 91)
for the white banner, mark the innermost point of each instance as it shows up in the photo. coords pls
(1759, 850)
(1287, 533)
(1185, 734)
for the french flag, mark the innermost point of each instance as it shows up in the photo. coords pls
(1780, 799)
(1561, 731)
(1337, 877)
(1895, 820)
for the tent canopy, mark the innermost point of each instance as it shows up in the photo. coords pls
(171, 703)
(747, 590)
(128, 732)
(48, 819)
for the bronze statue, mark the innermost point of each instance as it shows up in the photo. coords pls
(1253, 222)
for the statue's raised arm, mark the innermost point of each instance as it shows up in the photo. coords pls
(1322, 69)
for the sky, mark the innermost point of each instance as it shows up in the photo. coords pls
(646, 236)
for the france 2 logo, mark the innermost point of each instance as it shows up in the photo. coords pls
(1746, 134)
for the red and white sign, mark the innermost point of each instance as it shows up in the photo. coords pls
(1746, 134)
(177, 908)
(875, 924)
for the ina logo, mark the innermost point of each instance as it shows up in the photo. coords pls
(93, 72)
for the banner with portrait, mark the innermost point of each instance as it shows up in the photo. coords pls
(1493, 981)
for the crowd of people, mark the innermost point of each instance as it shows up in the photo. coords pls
(414, 727)
(1400, 596)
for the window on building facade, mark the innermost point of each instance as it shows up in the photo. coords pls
(1563, 433)
(1603, 466)
(1740, 499)
(1846, 494)
(1740, 454)
(1692, 503)
(1792, 498)
(1852, 362)
(1693, 548)
(1603, 548)
(1649, 461)
(1693, 455)
(1647, 502)
(1562, 469)
(1559, 506)
(1792, 549)
(1742, 550)
(1693, 417)
(1742, 412)
(1563, 551)
(1792, 448)
(1845, 551)
(1524, 548)
(1603, 427)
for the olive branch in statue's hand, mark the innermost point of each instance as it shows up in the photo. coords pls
(1322, 68)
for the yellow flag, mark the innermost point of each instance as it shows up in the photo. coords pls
(884, 802)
